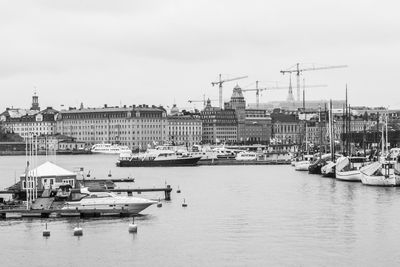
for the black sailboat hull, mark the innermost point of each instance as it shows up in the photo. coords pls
(190, 161)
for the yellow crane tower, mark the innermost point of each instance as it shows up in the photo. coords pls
(298, 71)
(220, 82)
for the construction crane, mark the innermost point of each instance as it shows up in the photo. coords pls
(258, 90)
(220, 82)
(204, 101)
(297, 70)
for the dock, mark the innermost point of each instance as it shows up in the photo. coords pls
(230, 162)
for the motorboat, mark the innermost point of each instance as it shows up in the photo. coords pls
(205, 153)
(105, 201)
(158, 158)
(380, 174)
(316, 166)
(348, 168)
(109, 149)
(304, 164)
(329, 170)
(246, 156)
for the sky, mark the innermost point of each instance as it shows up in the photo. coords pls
(164, 52)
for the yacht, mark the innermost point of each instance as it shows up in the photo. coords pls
(110, 149)
(85, 200)
(348, 168)
(157, 158)
(205, 153)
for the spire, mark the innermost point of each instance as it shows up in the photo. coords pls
(35, 101)
(290, 97)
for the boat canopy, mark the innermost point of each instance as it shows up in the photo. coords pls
(371, 168)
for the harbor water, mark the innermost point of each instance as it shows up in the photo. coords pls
(236, 216)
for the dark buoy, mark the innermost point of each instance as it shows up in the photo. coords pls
(109, 173)
(46, 232)
(88, 175)
(184, 203)
(178, 191)
(78, 230)
(132, 226)
(159, 204)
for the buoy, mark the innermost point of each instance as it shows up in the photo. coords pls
(46, 232)
(178, 191)
(132, 226)
(159, 204)
(78, 231)
(109, 173)
(184, 203)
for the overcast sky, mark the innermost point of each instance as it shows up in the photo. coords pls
(158, 52)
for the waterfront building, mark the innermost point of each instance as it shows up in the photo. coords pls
(286, 127)
(184, 129)
(138, 127)
(27, 122)
(219, 125)
(238, 103)
(257, 126)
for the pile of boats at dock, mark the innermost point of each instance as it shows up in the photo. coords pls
(170, 155)
(375, 171)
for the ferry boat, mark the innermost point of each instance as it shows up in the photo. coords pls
(109, 149)
(105, 201)
(161, 158)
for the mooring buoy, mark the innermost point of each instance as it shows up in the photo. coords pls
(78, 230)
(46, 232)
(132, 226)
(178, 191)
(184, 203)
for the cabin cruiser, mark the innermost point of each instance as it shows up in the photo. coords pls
(157, 158)
(380, 174)
(304, 164)
(205, 153)
(246, 156)
(109, 149)
(348, 168)
(85, 200)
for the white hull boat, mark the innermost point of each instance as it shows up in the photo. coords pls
(302, 166)
(106, 201)
(380, 174)
(353, 176)
(348, 168)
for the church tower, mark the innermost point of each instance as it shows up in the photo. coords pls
(35, 102)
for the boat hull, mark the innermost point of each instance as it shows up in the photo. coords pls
(352, 176)
(380, 180)
(302, 166)
(159, 163)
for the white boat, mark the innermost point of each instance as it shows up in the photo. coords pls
(304, 164)
(204, 152)
(106, 201)
(246, 156)
(109, 149)
(348, 168)
(380, 174)
(329, 169)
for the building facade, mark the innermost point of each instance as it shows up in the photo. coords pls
(286, 127)
(185, 129)
(257, 126)
(238, 103)
(219, 125)
(135, 126)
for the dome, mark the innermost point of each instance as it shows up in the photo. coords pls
(237, 92)
(174, 110)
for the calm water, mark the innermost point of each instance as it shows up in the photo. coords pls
(236, 216)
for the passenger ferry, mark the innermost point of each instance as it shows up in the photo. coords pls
(110, 149)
